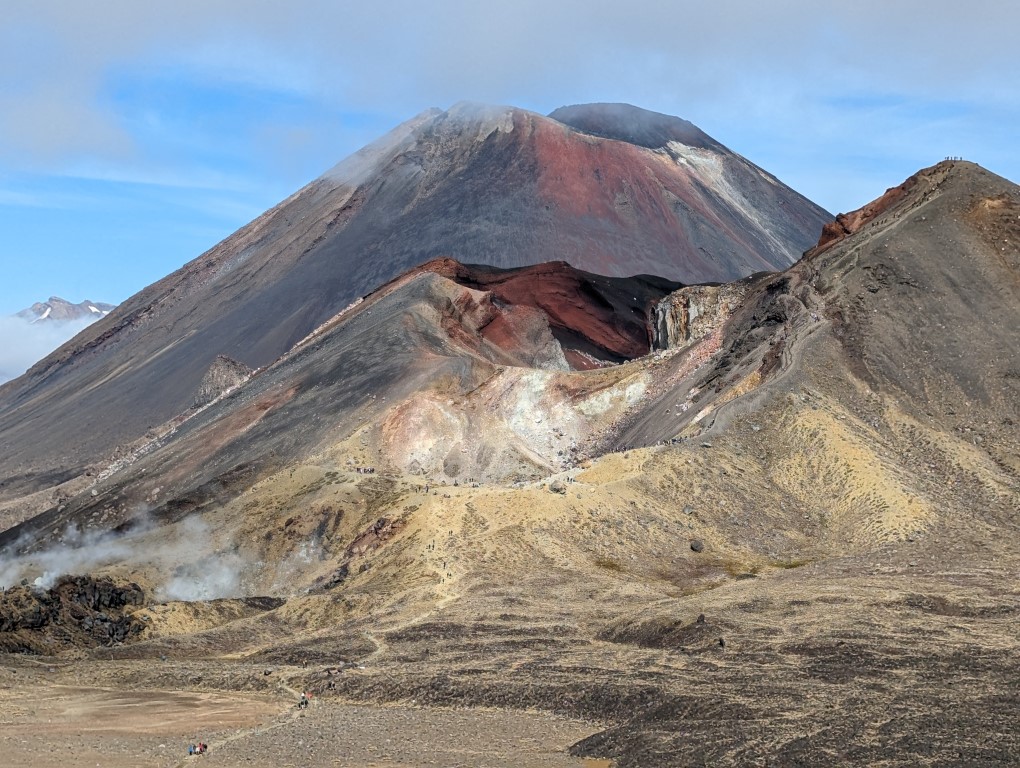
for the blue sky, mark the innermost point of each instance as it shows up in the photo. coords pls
(134, 136)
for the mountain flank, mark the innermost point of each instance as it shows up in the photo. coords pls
(483, 185)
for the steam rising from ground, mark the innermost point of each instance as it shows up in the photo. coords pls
(183, 558)
(78, 552)
(208, 578)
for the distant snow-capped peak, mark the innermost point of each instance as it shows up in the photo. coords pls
(58, 310)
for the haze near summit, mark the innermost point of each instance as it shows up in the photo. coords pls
(133, 137)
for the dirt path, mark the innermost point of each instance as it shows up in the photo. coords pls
(357, 736)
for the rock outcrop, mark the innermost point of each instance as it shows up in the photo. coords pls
(693, 312)
(77, 611)
(223, 375)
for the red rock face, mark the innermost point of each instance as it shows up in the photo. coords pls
(847, 224)
(591, 316)
(617, 185)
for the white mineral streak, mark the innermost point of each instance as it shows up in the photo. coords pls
(625, 394)
(710, 168)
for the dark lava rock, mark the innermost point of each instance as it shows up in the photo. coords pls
(697, 545)
(338, 577)
(224, 374)
(695, 637)
(77, 611)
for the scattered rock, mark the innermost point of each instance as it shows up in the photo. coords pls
(338, 577)
(558, 486)
(697, 545)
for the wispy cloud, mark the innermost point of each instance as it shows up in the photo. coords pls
(156, 176)
(23, 199)
(22, 344)
(252, 99)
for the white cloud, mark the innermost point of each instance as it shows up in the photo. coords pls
(54, 120)
(402, 55)
(22, 344)
(792, 85)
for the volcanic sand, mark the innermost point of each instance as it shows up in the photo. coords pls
(57, 726)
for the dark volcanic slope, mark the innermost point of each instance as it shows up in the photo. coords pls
(625, 122)
(443, 327)
(821, 571)
(493, 185)
(921, 291)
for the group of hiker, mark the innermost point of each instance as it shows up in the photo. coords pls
(201, 747)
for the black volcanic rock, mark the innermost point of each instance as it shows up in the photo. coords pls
(76, 611)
